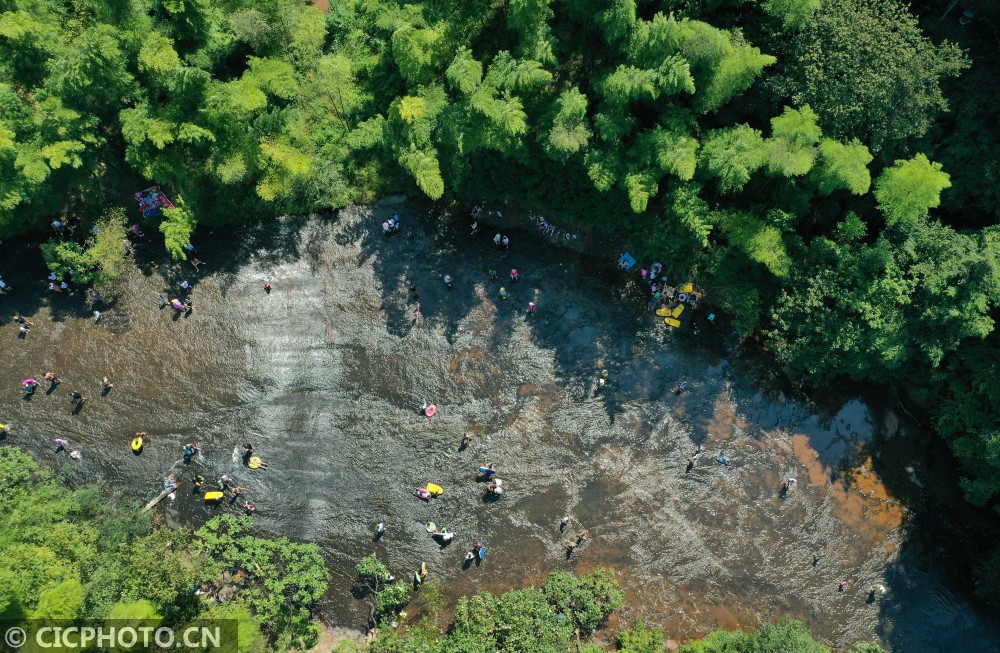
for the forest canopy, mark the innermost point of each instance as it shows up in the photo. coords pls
(783, 153)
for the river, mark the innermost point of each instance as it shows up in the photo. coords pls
(325, 376)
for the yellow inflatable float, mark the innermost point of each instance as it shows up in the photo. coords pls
(435, 490)
(214, 496)
(255, 462)
(137, 442)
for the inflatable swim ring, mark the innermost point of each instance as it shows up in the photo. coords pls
(255, 462)
(214, 496)
(683, 297)
(431, 410)
(435, 490)
(424, 494)
(431, 527)
(137, 443)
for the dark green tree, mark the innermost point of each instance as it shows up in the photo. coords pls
(869, 72)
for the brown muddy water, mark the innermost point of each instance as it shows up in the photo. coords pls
(325, 376)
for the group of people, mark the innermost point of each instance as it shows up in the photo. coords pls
(56, 284)
(186, 305)
(548, 228)
(31, 384)
(391, 225)
(224, 485)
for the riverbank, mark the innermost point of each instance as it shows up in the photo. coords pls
(325, 375)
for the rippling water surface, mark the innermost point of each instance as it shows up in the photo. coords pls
(325, 376)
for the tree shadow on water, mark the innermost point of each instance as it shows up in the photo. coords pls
(581, 317)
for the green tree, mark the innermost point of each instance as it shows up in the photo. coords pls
(515, 621)
(640, 638)
(732, 155)
(570, 130)
(285, 582)
(248, 636)
(909, 188)
(843, 166)
(589, 598)
(733, 75)
(134, 611)
(100, 259)
(786, 636)
(791, 149)
(385, 598)
(867, 647)
(793, 13)
(869, 72)
(61, 601)
(177, 226)
(761, 242)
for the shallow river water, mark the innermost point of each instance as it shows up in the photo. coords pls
(325, 376)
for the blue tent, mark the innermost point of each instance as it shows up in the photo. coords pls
(626, 261)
